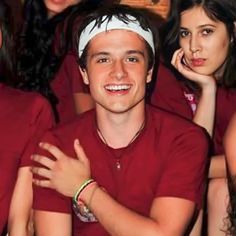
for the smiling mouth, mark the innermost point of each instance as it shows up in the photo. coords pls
(117, 88)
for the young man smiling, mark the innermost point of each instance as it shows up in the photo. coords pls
(129, 168)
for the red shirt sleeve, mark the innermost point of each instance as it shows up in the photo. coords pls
(185, 173)
(48, 199)
(41, 120)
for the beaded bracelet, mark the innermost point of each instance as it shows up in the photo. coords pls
(81, 188)
(81, 209)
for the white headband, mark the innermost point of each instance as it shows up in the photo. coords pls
(114, 23)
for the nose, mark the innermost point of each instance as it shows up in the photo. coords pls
(118, 70)
(194, 44)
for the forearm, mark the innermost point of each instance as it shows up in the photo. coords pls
(127, 222)
(230, 147)
(52, 223)
(21, 202)
(21, 228)
(217, 167)
(205, 112)
(105, 208)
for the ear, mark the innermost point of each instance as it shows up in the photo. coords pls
(84, 75)
(149, 75)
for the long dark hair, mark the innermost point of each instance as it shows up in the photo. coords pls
(217, 10)
(38, 59)
(7, 74)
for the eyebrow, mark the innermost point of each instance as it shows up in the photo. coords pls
(200, 26)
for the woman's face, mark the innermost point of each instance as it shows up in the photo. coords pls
(57, 6)
(205, 42)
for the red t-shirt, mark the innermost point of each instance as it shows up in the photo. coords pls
(24, 117)
(168, 158)
(67, 81)
(170, 94)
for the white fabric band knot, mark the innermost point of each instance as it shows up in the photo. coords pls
(114, 23)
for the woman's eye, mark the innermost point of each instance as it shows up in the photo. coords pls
(183, 33)
(207, 31)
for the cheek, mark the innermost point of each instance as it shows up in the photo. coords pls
(184, 44)
(225, 46)
(220, 51)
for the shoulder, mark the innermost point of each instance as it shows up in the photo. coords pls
(24, 104)
(175, 125)
(168, 93)
(165, 76)
(162, 115)
(22, 99)
(78, 126)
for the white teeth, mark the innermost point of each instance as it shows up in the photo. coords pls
(117, 87)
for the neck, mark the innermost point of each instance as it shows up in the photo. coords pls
(119, 130)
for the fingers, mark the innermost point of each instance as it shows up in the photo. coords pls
(45, 161)
(80, 151)
(43, 172)
(55, 151)
(180, 63)
(42, 183)
(176, 58)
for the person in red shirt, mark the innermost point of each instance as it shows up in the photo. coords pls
(229, 145)
(200, 42)
(47, 61)
(131, 169)
(24, 117)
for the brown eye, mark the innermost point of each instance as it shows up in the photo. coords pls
(183, 33)
(102, 60)
(132, 59)
(207, 31)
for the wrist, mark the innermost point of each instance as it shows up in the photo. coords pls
(87, 194)
(81, 188)
(83, 198)
(209, 89)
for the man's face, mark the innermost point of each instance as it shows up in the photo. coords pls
(117, 70)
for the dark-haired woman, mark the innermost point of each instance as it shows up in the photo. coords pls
(47, 55)
(199, 41)
(230, 154)
(24, 118)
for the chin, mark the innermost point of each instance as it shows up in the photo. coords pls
(203, 71)
(118, 108)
